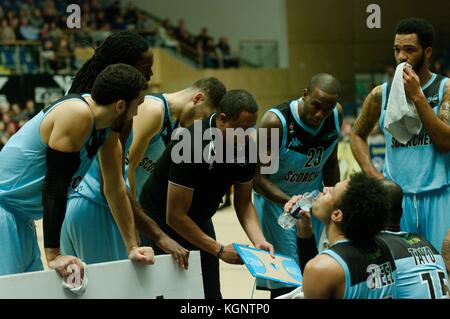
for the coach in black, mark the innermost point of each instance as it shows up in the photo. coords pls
(183, 196)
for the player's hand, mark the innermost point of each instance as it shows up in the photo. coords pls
(411, 82)
(304, 225)
(290, 203)
(179, 253)
(231, 256)
(66, 266)
(266, 246)
(143, 255)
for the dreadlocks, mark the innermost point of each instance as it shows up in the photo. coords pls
(121, 47)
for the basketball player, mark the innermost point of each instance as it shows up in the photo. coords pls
(50, 154)
(356, 265)
(446, 251)
(421, 167)
(152, 129)
(308, 129)
(153, 126)
(421, 272)
(89, 230)
(183, 196)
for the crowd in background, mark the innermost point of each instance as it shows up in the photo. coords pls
(13, 117)
(45, 21)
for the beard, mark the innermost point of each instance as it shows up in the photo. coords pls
(119, 122)
(419, 63)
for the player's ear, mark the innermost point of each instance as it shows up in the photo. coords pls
(121, 106)
(337, 216)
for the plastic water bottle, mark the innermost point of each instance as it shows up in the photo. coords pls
(288, 219)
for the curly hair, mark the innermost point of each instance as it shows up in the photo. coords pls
(364, 208)
(421, 27)
(121, 47)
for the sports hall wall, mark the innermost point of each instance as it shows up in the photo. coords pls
(322, 36)
(332, 36)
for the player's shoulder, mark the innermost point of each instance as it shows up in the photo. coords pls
(75, 111)
(323, 264)
(270, 120)
(151, 107)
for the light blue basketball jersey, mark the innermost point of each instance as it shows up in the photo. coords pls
(421, 272)
(23, 164)
(302, 155)
(303, 150)
(370, 273)
(156, 146)
(417, 166)
(90, 187)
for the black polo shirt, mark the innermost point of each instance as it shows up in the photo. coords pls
(208, 181)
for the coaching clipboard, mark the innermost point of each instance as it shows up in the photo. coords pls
(282, 269)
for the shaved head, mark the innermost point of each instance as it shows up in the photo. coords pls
(325, 82)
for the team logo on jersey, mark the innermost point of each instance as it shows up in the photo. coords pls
(332, 135)
(432, 99)
(294, 142)
(379, 276)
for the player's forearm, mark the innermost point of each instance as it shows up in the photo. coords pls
(331, 173)
(132, 181)
(269, 190)
(51, 253)
(438, 130)
(121, 210)
(190, 231)
(248, 218)
(144, 223)
(360, 150)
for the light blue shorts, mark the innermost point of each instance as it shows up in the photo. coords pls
(19, 249)
(90, 233)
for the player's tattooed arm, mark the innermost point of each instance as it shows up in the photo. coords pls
(364, 124)
(370, 114)
(444, 111)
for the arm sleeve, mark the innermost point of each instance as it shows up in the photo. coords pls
(185, 174)
(61, 167)
(246, 174)
(307, 250)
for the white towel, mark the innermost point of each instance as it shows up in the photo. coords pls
(401, 119)
(294, 294)
(74, 284)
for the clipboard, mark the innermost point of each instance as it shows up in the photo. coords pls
(282, 269)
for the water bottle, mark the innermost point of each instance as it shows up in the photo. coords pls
(288, 219)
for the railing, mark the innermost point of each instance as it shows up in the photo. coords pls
(259, 53)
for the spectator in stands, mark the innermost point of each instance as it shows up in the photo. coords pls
(146, 27)
(203, 44)
(36, 19)
(27, 7)
(113, 11)
(11, 129)
(48, 56)
(30, 109)
(49, 14)
(55, 33)
(17, 114)
(14, 24)
(226, 58)
(6, 32)
(164, 36)
(27, 31)
(130, 16)
(3, 136)
(63, 55)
